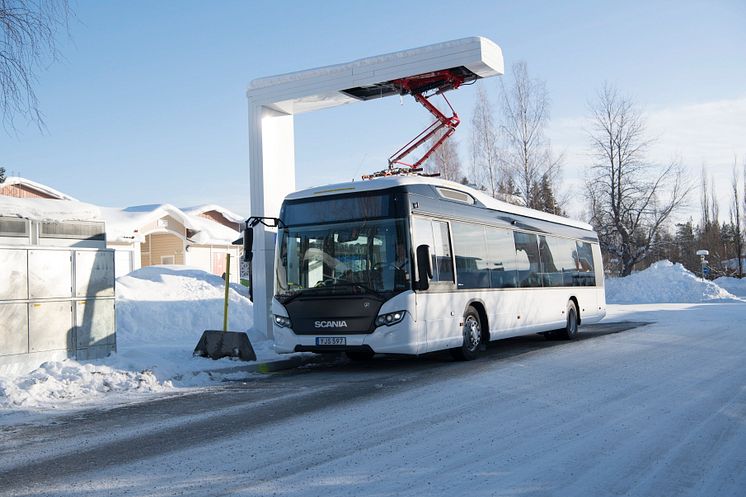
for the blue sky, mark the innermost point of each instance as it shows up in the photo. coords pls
(148, 104)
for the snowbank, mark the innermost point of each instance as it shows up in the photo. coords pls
(733, 285)
(663, 282)
(161, 314)
(70, 381)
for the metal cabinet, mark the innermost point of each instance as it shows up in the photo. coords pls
(56, 302)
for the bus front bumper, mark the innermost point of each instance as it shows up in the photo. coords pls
(400, 338)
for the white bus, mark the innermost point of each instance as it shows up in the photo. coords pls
(411, 265)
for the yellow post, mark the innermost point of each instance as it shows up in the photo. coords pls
(227, 283)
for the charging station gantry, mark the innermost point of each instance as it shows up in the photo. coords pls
(273, 101)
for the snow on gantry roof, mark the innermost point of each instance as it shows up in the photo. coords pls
(329, 86)
(392, 181)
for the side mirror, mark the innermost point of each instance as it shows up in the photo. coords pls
(248, 244)
(424, 267)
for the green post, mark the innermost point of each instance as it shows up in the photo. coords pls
(227, 283)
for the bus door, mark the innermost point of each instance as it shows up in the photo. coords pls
(438, 312)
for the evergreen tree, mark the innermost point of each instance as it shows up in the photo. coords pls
(2, 175)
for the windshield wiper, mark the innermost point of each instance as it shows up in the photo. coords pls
(365, 288)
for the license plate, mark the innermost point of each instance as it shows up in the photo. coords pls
(331, 341)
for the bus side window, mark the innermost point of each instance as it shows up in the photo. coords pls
(470, 248)
(435, 235)
(584, 262)
(501, 258)
(442, 253)
(528, 259)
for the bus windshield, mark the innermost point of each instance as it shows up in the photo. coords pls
(352, 258)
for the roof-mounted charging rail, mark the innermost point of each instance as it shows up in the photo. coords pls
(437, 83)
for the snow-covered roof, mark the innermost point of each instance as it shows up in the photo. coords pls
(124, 224)
(17, 180)
(44, 209)
(392, 181)
(201, 209)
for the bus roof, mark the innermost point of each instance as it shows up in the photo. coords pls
(396, 181)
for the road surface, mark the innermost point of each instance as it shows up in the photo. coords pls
(629, 409)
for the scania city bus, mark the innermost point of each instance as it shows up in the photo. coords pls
(411, 265)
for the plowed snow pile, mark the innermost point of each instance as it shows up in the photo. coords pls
(161, 314)
(664, 282)
(733, 285)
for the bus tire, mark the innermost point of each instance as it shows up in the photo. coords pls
(472, 337)
(570, 331)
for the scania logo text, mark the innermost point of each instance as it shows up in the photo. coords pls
(330, 324)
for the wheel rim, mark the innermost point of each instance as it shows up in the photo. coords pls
(472, 333)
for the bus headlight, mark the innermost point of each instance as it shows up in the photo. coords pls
(282, 321)
(390, 318)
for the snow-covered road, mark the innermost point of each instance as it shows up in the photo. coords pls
(657, 410)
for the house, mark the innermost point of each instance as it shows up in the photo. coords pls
(143, 235)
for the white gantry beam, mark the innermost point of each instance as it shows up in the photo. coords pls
(274, 100)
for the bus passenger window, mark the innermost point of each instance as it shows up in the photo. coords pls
(584, 263)
(528, 260)
(471, 256)
(501, 258)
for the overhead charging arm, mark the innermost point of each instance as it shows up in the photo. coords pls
(417, 86)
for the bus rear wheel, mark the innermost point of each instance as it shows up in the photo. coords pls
(570, 331)
(472, 333)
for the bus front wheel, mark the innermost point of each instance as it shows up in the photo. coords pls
(472, 333)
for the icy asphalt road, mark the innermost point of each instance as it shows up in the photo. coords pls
(655, 410)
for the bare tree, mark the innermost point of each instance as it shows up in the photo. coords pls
(530, 162)
(445, 160)
(27, 43)
(485, 149)
(736, 214)
(629, 200)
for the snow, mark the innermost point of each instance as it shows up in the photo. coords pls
(17, 180)
(360, 64)
(654, 411)
(122, 225)
(664, 282)
(50, 210)
(163, 310)
(735, 286)
(161, 314)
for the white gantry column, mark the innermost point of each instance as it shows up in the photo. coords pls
(274, 100)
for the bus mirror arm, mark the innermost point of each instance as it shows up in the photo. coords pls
(248, 244)
(424, 268)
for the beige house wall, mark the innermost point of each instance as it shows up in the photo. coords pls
(159, 245)
(164, 223)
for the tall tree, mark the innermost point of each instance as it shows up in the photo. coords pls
(525, 115)
(27, 42)
(445, 160)
(486, 163)
(736, 215)
(629, 199)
